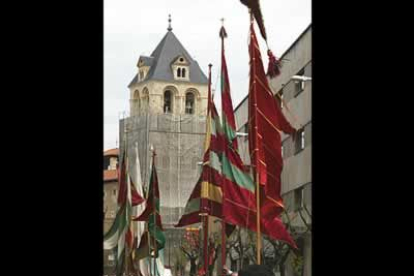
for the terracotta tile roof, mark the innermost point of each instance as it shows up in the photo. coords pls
(111, 152)
(110, 175)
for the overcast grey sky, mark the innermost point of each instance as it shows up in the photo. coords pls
(135, 27)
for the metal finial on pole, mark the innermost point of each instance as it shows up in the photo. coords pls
(169, 23)
(223, 33)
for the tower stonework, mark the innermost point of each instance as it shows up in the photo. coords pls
(169, 81)
(168, 104)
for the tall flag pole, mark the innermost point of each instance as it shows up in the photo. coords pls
(265, 123)
(254, 137)
(154, 226)
(151, 215)
(229, 127)
(207, 196)
(205, 184)
(254, 201)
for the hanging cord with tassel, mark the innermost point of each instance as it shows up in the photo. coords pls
(274, 65)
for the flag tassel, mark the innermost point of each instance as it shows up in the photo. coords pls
(273, 69)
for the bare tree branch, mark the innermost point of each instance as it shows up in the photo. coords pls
(308, 227)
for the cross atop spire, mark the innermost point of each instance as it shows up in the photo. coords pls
(169, 23)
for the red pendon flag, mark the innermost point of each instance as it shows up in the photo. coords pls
(193, 207)
(229, 123)
(153, 200)
(136, 198)
(265, 121)
(239, 190)
(123, 189)
(239, 201)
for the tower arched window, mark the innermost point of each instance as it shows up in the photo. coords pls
(179, 72)
(136, 104)
(145, 100)
(189, 103)
(183, 72)
(167, 102)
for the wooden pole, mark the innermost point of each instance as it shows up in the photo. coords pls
(154, 216)
(223, 223)
(204, 184)
(206, 244)
(259, 234)
(223, 245)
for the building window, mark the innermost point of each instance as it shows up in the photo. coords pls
(299, 199)
(300, 140)
(189, 103)
(299, 85)
(183, 72)
(114, 192)
(179, 72)
(167, 101)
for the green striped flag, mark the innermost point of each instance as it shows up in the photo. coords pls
(119, 233)
(206, 196)
(151, 213)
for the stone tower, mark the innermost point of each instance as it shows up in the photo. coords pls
(168, 102)
(169, 81)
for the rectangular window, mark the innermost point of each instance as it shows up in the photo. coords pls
(299, 85)
(300, 140)
(299, 198)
